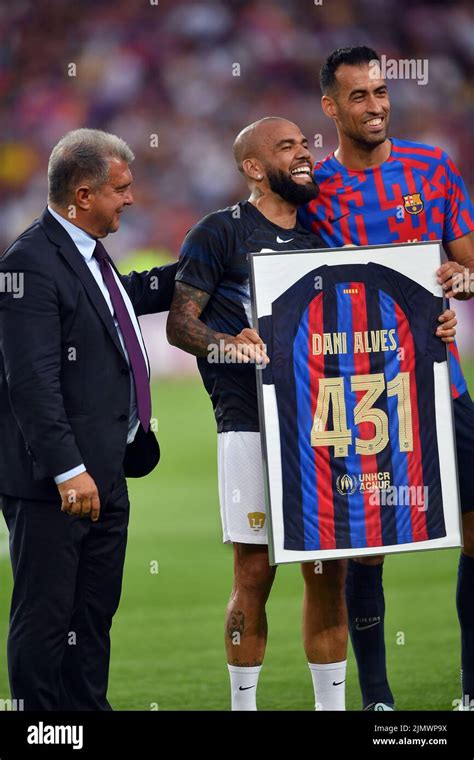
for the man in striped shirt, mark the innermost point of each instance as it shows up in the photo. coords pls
(376, 190)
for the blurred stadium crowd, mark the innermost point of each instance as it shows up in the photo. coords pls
(141, 68)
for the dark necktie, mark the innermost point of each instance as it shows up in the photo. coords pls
(135, 354)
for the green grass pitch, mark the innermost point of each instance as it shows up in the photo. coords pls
(167, 638)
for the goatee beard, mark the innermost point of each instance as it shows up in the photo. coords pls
(282, 184)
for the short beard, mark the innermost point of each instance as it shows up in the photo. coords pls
(369, 145)
(281, 184)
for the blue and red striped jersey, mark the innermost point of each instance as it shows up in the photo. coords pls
(352, 350)
(416, 194)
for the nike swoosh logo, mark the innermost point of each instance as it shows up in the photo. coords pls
(244, 688)
(331, 220)
(338, 683)
(279, 240)
(360, 627)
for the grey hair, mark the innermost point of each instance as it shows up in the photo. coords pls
(82, 156)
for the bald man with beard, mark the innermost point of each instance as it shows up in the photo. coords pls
(211, 309)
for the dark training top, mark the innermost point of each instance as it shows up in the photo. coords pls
(214, 258)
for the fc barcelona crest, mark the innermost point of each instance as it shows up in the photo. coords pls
(413, 203)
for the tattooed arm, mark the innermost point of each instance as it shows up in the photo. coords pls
(186, 330)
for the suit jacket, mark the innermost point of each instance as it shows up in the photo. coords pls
(64, 379)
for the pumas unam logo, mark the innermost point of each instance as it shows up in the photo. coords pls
(413, 203)
(256, 520)
(346, 485)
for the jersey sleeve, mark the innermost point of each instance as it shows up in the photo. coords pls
(426, 309)
(437, 348)
(420, 304)
(459, 211)
(204, 253)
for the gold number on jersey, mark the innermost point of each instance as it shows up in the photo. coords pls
(400, 387)
(364, 412)
(331, 391)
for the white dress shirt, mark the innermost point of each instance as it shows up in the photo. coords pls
(85, 244)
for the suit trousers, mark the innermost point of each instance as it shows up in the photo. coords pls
(67, 574)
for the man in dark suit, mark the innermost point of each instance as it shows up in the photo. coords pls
(75, 411)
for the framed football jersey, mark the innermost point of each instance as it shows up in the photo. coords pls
(355, 405)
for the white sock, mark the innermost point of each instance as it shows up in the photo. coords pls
(329, 685)
(243, 687)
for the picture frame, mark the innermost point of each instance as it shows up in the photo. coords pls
(273, 274)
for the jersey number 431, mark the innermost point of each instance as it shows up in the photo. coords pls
(331, 391)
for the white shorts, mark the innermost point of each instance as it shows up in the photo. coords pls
(241, 491)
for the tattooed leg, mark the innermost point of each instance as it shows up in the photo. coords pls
(246, 621)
